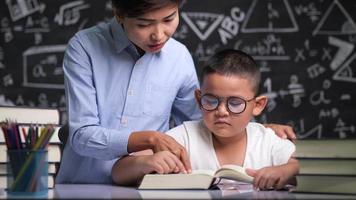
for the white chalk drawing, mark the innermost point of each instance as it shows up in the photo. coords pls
(296, 90)
(346, 72)
(203, 24)
(317, 130)
(315, 70)
(264, 66)
(204, 52)
(230, 25)
(38, 38)
(269, 48)
(2, 66)
(82, 24)
(318, 97)
(345, 49)
(37, 25)
(70, 13)
(326, 54)
(6, 30)
(329, 113)
(270, 94)
(40, 64)
(263, 17)
(335, 21)
(309, 10)
(181, 32)
(19, 100)
(5, 102)
(21, 8)
(42, 100)
(18, 28)
(7, 80)
(345, 97)
(303, 53)
(108, 6)
(342, 129)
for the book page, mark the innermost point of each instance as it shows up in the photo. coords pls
(234, 172)
(203, 171)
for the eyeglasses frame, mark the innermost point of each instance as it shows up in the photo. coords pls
(220, 99)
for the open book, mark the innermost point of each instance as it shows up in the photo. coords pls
(198, 179)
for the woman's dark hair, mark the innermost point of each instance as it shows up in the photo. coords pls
(234, 62)
(135, 8)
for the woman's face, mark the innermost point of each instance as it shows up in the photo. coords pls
(152, 30)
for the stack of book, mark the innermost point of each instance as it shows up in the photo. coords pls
(24, 118)
(326, 166)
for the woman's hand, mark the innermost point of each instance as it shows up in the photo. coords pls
(163, 162)
(283, 131)
(158, 142)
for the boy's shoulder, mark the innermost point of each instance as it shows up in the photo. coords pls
(191, 130)
(187, 126)
(259, 132)
(256, 129)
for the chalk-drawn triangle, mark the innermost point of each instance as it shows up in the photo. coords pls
(270, 16)
(317, 130)
(203, 24)
(346, 72)
(336, 20)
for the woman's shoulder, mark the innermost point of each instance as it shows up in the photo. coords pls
(93, 33)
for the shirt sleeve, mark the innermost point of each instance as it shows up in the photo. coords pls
(86, 135)
(179, 134)
(185, 107)
(282, 150)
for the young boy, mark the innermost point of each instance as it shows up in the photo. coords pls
(228, 100)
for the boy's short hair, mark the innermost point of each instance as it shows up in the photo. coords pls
(135, 8)
(234, 62)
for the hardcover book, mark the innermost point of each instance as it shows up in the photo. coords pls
(198, 179)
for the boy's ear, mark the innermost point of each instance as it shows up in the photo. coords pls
(260, 104)
(197, 94)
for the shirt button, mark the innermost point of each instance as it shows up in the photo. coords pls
(130, 93)
(124, 121)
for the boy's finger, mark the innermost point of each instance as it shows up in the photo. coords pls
(179, 164)
(251, 172)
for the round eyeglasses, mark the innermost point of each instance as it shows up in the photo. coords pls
(235, 105)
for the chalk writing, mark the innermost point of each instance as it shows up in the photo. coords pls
(305, 50)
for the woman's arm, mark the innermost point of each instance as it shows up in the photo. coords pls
(130, 170)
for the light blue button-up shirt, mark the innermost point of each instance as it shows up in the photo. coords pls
(111, 92)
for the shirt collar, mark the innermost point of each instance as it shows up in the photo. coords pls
(120, 39)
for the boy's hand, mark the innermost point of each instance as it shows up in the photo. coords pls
(162, 162)
(283, 131)
(268, 178)
(158, 141)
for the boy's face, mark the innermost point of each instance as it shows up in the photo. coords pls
(222, 122)
(152, 30)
